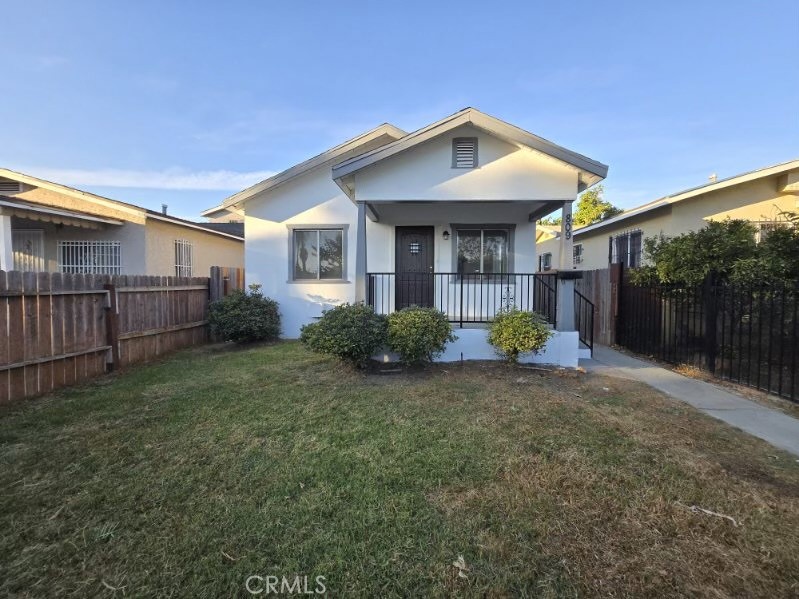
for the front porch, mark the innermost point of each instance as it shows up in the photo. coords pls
(470, 260)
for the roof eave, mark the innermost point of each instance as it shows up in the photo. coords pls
(591, 171)
(669, 200)
(312, 163)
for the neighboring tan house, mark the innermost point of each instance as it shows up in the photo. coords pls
(444, 216)
(760, 196)
(48, 227)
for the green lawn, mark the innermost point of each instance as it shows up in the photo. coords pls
(185, 477)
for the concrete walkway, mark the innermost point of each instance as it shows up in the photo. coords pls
(771, 425)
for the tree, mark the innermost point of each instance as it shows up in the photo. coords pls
(777, 256)
(688, 258)
(591, 208)
(726, 248)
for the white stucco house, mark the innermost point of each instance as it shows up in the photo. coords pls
(444, 216)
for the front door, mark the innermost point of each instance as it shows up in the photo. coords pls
(414, 267)
(28, 249)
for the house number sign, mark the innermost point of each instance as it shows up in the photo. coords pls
(568, 226)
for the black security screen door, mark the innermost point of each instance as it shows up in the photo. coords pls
(414, 267)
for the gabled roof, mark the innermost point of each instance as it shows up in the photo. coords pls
(213, 210)
(70, 191)
(692, 192)
(192, 225)
(591, 171)
(103, 201)
(232, 228)
(23, 210)
(386, 129)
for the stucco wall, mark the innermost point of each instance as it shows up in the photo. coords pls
(130, 236)
(311, 200)
(381, 247)
(208, 249)
(755, 201)
(505, 172)
(316, 200)
(425, 174)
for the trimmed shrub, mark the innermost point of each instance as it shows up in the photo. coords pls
(245, 316)
(515, 332)
(351, 332)
(418, 334)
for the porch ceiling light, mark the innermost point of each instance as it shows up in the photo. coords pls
(446, 235)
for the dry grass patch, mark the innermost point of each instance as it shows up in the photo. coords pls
(185, 477)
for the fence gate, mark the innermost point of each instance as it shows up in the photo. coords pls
(744, 334)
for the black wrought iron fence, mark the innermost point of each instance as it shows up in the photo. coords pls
(584, 319)
(464, 298)
(745, 334)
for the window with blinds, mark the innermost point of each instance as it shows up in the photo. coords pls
(90, 257)
(184, 258)
(464, 152)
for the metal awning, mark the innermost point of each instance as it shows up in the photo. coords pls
(10, 207)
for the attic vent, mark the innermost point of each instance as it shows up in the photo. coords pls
(464, 152)
(9, 186)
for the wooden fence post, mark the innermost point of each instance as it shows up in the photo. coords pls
(112, 326)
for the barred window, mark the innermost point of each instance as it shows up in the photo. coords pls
(764, 228)
(627, 248)
(184, 258)
(577, 253)
(90, 257)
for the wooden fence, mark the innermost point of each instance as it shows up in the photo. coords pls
(601, 288)
(57, 329)
(224, 280)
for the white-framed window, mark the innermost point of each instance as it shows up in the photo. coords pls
(626, 248)
(483, 249)
(318, 253)
(577, 253)
(184, 258)
(545, 261)
(464, 152)
(90, 257)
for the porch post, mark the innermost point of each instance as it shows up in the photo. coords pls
(565, 314)
(566, 243)
(6, 249)
(360, 254)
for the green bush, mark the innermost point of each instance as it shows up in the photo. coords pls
(352, 332)
(243, 316)
(514, 332)
(418, 334)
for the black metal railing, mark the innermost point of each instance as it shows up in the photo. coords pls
(464, 298)
(584, 319)
(744, 334)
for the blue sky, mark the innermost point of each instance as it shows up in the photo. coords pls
(185, 103)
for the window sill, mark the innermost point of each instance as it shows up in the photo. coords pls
(318, 282)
